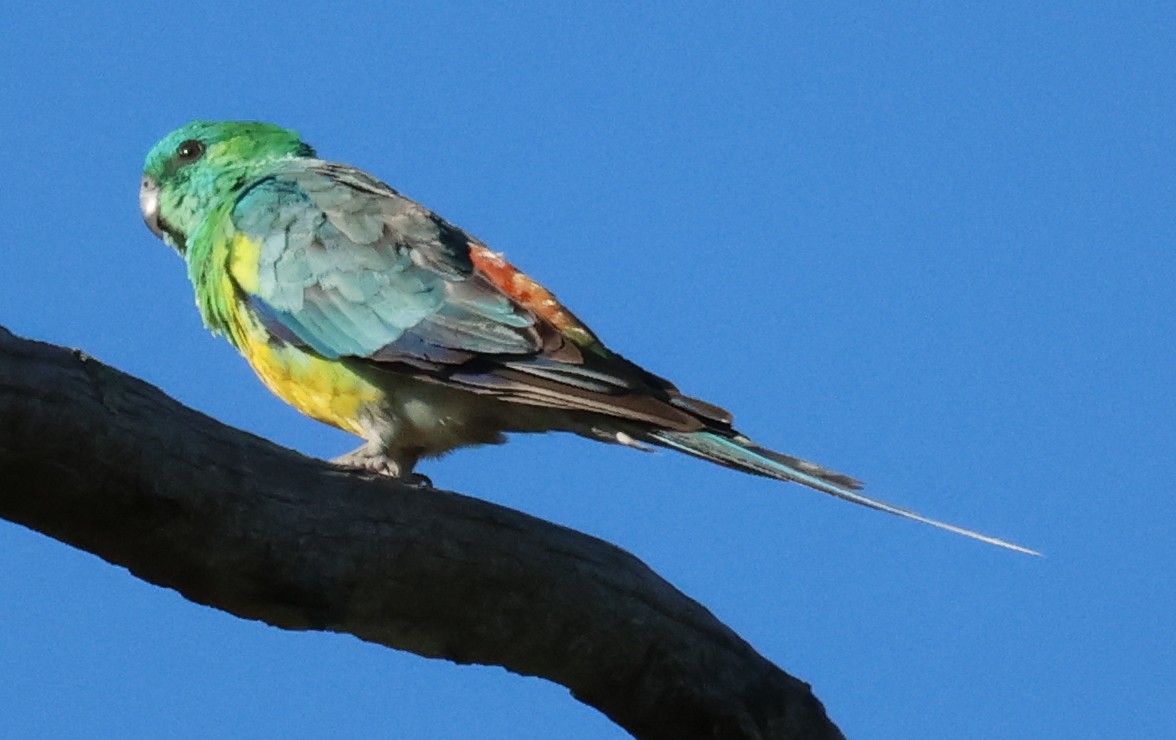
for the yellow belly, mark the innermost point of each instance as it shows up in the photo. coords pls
(326, 390)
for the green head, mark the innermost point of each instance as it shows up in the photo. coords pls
(202, 165)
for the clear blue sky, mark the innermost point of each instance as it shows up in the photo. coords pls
(931, 247)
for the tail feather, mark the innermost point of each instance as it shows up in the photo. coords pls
(742, 454)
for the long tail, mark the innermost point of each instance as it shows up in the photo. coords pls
(741, 453)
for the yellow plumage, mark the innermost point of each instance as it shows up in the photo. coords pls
(326, 390)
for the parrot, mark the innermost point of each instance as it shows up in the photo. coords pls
(367, 311)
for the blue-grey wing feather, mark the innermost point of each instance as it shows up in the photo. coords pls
(353, 269)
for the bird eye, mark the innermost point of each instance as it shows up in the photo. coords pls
(189, 151)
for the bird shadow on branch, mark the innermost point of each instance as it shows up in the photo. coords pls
(111, 465)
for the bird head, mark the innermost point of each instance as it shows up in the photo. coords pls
(197, 167)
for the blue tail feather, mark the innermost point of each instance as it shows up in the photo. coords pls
(742, 454)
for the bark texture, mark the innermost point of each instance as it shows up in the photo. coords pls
(111, 465)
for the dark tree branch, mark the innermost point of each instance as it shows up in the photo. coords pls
(109, 464)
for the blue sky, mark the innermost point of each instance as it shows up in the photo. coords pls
(929, 246)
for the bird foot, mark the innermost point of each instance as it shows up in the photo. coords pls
(375, 460)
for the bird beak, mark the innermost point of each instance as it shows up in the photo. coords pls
(149, 205)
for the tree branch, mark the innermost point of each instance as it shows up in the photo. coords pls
(109, 464)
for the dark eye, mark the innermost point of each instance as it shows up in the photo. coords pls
(189, 151)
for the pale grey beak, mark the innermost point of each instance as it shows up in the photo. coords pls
(149, 205)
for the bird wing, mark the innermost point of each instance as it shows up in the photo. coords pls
(333, 260)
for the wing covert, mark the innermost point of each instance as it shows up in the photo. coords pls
(353, 269)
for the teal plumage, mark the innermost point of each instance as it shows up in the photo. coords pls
(367, 311)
